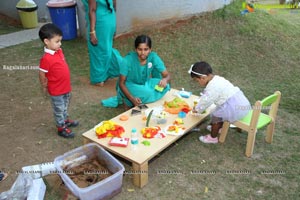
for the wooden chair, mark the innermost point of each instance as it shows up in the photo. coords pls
(255, 120)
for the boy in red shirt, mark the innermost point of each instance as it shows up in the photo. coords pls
(55, 78)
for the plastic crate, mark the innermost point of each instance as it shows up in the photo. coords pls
(104, 189)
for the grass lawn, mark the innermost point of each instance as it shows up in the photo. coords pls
(259, 52)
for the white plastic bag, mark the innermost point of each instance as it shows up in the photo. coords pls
(19, 189)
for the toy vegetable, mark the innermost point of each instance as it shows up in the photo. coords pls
(124, 117)
(150, 132)
(148, 118)
(176, 105)
(109, 129)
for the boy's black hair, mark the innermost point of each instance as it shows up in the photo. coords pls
(143, 39)
(48, 31)
(201, 68)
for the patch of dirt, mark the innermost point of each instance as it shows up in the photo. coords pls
(93, 91)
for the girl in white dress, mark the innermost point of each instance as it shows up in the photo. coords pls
(231, 103)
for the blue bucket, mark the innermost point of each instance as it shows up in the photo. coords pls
(65, 19)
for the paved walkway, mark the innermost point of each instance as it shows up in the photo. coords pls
(19, 37)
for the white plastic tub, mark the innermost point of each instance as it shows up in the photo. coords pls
(104, 189)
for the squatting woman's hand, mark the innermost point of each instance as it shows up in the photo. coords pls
(163, 83)
(137, 101)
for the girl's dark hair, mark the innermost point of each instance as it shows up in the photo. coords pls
(48, 31)
(201, 68)
(142, 39)
(108, 6)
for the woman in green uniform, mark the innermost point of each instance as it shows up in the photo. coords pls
(140, 72)
(101, 27)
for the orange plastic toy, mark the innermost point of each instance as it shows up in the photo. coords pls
(176, 105)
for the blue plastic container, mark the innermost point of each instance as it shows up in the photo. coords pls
(65, 19)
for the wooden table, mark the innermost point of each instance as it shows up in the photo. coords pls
(140, 157)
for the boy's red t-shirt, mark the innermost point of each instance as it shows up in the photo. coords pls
(57, 72)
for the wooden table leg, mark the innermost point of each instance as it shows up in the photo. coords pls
(86, 140)
(140, 174)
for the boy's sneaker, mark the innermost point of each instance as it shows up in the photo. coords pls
(65, 132)
(208, 139)
(71, 123)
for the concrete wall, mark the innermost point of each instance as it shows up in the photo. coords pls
(134, 13)
(131, 14)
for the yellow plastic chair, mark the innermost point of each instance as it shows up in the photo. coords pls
(255, 120)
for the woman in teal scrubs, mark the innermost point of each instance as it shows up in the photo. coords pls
(140, 72)
(101, 27)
